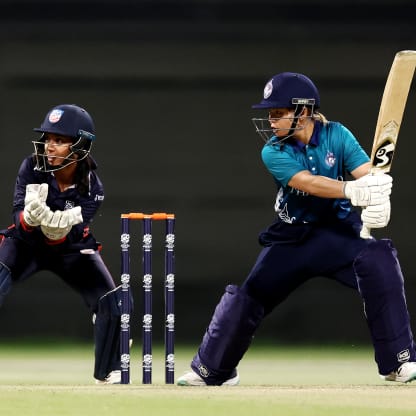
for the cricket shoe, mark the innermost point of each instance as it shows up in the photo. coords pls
(192, 379)
(404, 374)
(113, 378)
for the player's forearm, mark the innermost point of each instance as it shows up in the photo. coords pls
(317, 185)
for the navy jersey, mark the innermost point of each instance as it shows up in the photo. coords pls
(56, 200)
(331, 152)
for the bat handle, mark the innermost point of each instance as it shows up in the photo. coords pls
(365, 232)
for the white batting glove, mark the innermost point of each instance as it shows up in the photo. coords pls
(369, 190)
(34, 212)
(376, 216)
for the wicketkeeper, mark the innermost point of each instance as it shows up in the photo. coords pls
(316, 233)
(56, 196)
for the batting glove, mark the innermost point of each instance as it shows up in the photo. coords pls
(376, 216)
(369, 190)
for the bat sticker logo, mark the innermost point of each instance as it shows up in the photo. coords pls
(384, 154)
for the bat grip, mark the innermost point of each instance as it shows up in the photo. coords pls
(365, 232)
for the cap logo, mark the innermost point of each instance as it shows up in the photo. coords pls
(55, 115)
(268, 89)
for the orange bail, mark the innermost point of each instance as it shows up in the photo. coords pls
(154, 216)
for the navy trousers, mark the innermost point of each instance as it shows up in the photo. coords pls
(85, 272)
(294, 254)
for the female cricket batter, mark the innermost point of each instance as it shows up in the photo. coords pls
(56, 196)
(316, 233)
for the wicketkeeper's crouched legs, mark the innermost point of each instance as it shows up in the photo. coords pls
(381, 286)
(229, 334)
(107, 334)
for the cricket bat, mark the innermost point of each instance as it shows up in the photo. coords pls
(390, 115)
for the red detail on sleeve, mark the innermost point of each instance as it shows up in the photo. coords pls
(86, 232)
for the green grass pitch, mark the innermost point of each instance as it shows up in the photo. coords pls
(56, 379)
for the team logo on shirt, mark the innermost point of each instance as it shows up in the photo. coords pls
(55, 115)
(330, 159)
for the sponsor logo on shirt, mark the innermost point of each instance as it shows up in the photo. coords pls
(69, 204)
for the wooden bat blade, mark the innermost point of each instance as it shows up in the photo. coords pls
(391, 110)
(390, 115)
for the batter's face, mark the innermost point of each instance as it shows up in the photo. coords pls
(281, 120)
(57, 148)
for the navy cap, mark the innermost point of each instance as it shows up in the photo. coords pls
(287, 90)
(68, 120)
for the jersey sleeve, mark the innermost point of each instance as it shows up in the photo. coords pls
(92, 202)
(89, 207)
(354, 154)
(280, 163)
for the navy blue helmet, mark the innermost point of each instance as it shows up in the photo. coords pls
(288, 90)
(67, 120)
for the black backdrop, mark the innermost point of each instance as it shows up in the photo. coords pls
(170, 85)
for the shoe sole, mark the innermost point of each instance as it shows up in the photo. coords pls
(398, 380)
(231, 382)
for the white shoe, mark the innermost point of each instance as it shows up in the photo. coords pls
(113, 378)
(193, 379)
(404, 374)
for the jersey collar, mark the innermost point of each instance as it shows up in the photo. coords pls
(314, 141)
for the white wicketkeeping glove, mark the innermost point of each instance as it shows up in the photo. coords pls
(35, 208)
(34, 212)
(62, 219)
(376, 216)
(369, 190)
(72, 216)
(36, 190)
(59, 224)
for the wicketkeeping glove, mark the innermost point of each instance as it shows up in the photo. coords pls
(36, 190)
(59, 224)
(369, 190)
(34, 212)
(35, 208)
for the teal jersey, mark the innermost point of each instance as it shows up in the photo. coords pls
(332, 152)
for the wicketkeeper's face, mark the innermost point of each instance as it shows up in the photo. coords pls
(57, 148)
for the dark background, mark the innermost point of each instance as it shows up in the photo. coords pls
(170, 86)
